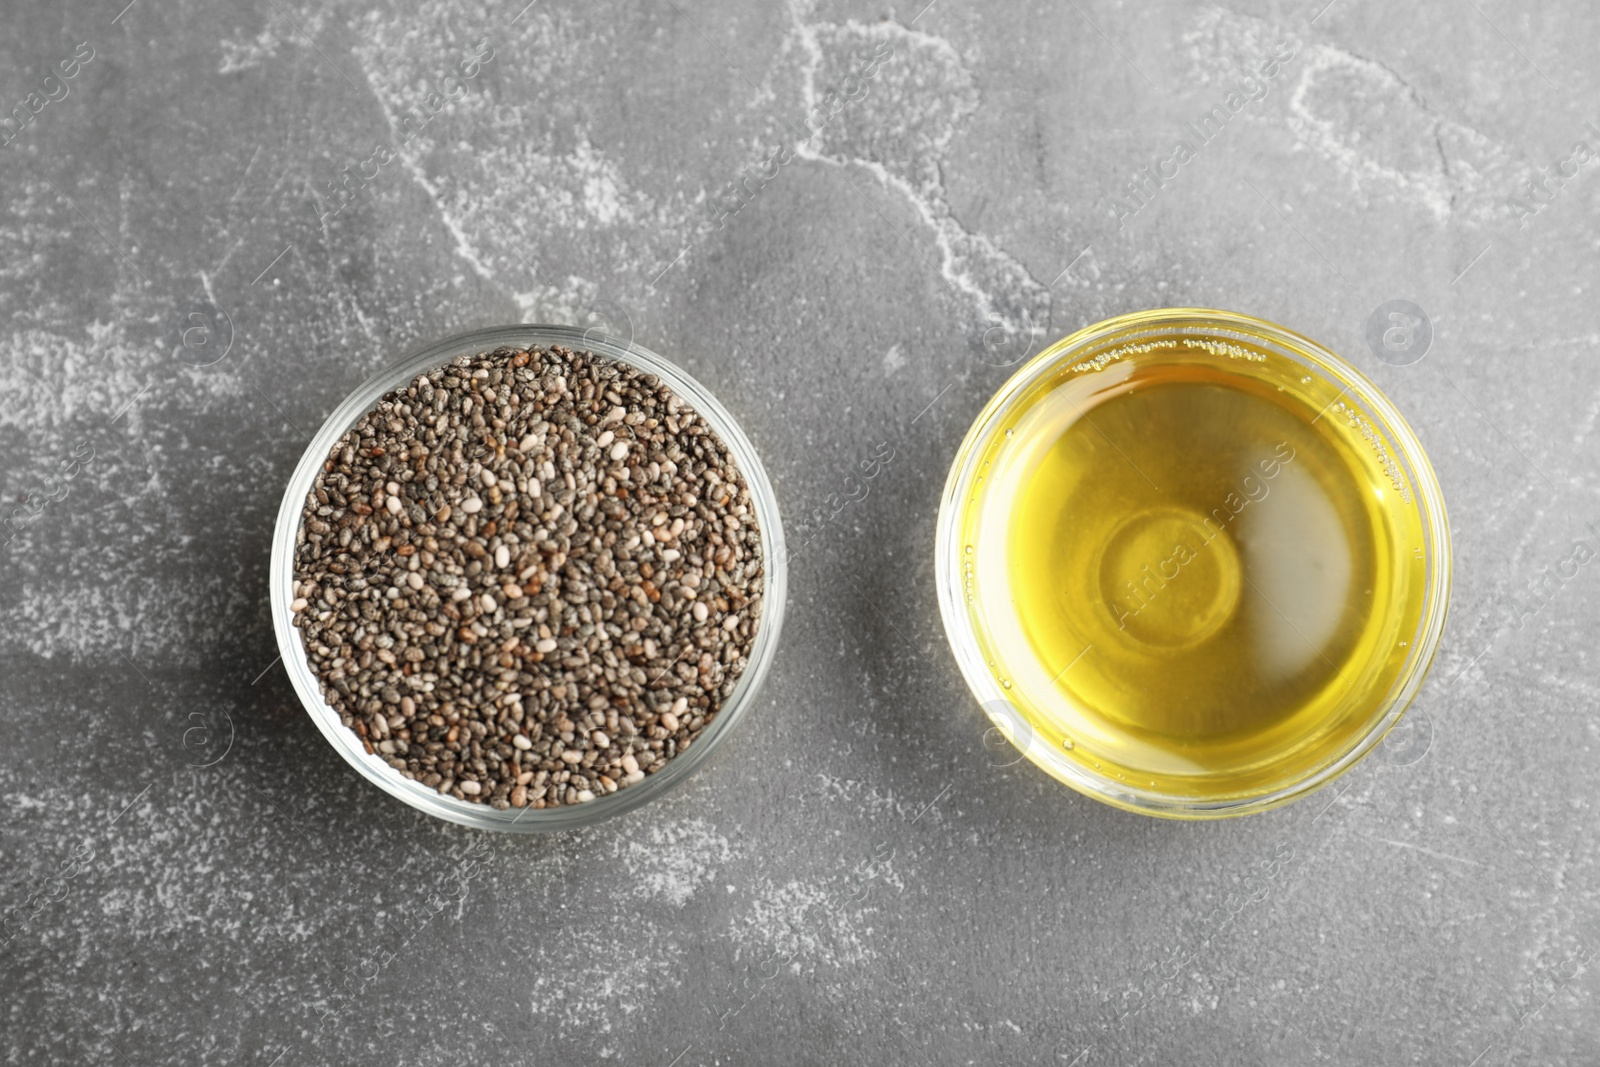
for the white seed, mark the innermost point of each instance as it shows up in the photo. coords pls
(669, 721)
(671, 555)
(605, 439)
(731, 623)
(489, 604)
(584, 796)
(414, 579)
(680, 705)
(619, 450)
(600, 740)
(299, 605)
(522, 742)
(547, 644)
(635, 776)
(471, 788)
(528, 443)
(489, 478)
(572, 755)
(502, 557)
(461, 593)
(700, 611)
(472, 505)
(393, 504)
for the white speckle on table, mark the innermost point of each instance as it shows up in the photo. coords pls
(241, 54)
(673, 860)
(521, 191)
(898, 130)
(821, 923)
(516, 191)
(1421, 154)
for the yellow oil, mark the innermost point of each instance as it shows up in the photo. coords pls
(1193, 568)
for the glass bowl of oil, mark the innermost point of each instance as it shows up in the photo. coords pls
(1192, 564)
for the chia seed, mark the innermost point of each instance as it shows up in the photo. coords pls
(529, 578)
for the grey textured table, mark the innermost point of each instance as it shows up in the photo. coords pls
(230, 214)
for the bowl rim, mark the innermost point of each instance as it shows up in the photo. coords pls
(437, 353)
(1356, 386)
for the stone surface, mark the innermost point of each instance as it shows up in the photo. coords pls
(191, 874)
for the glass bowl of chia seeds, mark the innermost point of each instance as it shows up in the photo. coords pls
(528, 577)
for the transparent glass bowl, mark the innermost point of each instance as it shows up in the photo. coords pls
(564, 817)
(1342, 382)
